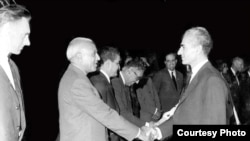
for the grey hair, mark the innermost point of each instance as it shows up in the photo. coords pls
(75, 46)
(12, 12)
(203, 38)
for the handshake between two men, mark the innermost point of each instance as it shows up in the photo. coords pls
(151, 132)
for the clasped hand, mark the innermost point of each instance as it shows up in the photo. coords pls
(148, 133)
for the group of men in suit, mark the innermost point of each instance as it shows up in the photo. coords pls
(237, 78)
(118, 92)
(88, 108)
(138, 102)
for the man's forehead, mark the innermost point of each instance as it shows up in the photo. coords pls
(170, 57)
(88, 48)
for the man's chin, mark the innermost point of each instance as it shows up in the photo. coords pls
(17, 52)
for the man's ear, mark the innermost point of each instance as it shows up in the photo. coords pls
(79, 56)
(199, 49)
(108, 63)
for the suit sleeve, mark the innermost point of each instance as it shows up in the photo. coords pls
(155, 95)
(85, 98)
(157, 81)
(215, 102)
(6, 127)
(100, 88)
(167, 128)
(119, 95)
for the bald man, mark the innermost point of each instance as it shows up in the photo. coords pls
(83, 115)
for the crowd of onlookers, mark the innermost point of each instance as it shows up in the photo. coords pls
(237, 76)
(236, 73)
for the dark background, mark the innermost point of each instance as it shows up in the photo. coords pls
(137, 26)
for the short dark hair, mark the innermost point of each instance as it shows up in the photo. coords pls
(136, 63)
(171, 53)
(13, 12)
(109, 53)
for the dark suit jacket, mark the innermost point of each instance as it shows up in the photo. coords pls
(83, 115)
(105, 89)
(148, 98)
(12, 117)
(164, 85)
(203, 102)
(234, 88)
(123, 99)
(106, 92)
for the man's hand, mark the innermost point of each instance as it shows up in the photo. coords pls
(148, 134)
(157, 115)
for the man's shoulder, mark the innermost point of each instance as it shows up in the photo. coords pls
(163, 71)
(211, 73)
(178, 72)
(96, 76)
(116, 79)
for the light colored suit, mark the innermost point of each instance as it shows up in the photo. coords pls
(83, 115)
(12, 117)
(203, 102)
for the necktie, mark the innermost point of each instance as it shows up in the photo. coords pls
(173, 78)
(237, 78)
(134, 101)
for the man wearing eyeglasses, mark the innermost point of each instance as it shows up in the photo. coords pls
(130, 74)
(14, 35)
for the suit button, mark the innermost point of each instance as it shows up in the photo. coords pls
(18, 128)
(18, 107)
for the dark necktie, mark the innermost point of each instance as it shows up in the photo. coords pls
(173, 78)
(134, 101)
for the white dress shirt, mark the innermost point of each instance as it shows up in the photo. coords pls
(105, 74)
(4, 63)
(235, 75)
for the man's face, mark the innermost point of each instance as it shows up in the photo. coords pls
(90, 58)
(114, 66)
(18, 35)
(187, 49)
(239, 64)
(134, 75)
(170, 62)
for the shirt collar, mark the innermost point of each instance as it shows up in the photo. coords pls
(4, 59)
(197, 68)
(105, 74)
(170, 72)
(233, 71)
(123, 80)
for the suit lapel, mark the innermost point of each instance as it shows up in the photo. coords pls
(193, 83)
(18, 93)
(170, 79)
(105, 80)
(178, 80)
(126, 93)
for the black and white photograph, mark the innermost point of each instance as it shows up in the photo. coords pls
(122, 70)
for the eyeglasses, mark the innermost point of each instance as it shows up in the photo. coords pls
(137, 77)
